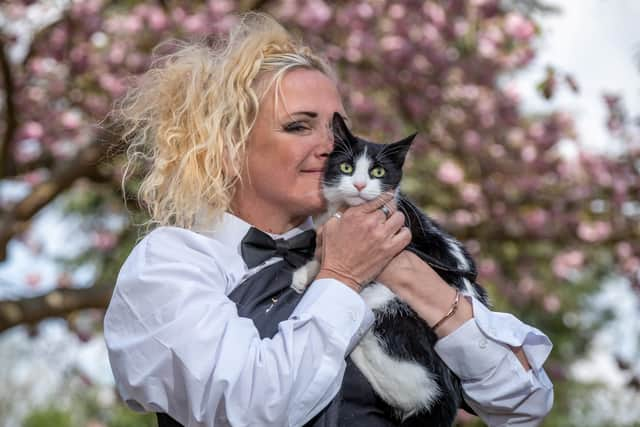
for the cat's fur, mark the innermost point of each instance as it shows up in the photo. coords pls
(397, 354)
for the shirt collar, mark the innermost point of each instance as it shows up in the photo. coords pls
(230, 230)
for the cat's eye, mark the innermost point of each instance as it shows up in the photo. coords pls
(346, 168)
(378, 172)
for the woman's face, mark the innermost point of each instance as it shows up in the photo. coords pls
(288, 148)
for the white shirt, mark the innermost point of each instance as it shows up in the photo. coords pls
(177, 345)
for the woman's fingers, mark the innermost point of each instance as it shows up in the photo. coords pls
(394, 223)
(385, 199)
(401, 239)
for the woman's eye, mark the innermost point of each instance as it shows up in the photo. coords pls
(296, 127)
(346, 168)
(377, 172)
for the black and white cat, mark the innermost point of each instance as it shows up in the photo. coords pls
(397, 355)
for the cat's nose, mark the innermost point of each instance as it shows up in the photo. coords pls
(359, 185)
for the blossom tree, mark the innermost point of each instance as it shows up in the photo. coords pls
(545, 228)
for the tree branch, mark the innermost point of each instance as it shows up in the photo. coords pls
(62, 177)
(57, 303)
(11, 122)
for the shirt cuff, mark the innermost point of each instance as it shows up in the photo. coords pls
(339, 306)
(478, 346)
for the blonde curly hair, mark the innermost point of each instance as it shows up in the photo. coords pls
(187, 119)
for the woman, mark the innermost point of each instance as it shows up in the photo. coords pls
(202, 328)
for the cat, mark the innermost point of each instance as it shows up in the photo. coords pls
(397, 355)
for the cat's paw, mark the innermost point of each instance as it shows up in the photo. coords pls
(303, 276)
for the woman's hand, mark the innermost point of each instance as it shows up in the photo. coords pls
(357, 246)
(417, 284)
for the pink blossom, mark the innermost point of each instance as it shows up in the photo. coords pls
(132, 24)
(536, 130)
(104, 240)
(390, 43)
(460, 27)
(494, 33)
(135, 61)
(471, 193)
(32, 129)
(178, 14)
(487, 267)
(594, 231)
(487, 47)
(529, 153)
(220, 7)
(471, 139)
(431, 34)
(463, 218)
(511, 92)
(111, 84)
(536, 218)
(483, 2)
(450, 173)
(36, 94)
(397, 11)
(515, 136)
(420, 63)
(42, 66)
(35, 177)
(157, 19)
(361, 103)
(65, 280)
(632, 265)
(57, 38)
(27, 150)
(315, 14)
(353, 55)
(519, 27)
(364, 10)
(435, 13)
(497, 151)
(551, 303)
(71, 119)
(33, 280)
(195, 24)
(117, 53)
(624, 249)
(527, 286)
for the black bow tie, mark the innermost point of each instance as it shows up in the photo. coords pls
(257, 247)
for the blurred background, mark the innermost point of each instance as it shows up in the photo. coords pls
(528, 151)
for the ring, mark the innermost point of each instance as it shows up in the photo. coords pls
(386, 211)
(337, 215)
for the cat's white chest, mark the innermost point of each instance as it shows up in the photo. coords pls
(406, 385)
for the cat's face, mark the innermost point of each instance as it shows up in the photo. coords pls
(358, 170)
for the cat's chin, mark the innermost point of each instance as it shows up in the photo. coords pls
(355, 201)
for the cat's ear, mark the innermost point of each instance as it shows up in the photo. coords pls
(398, 150)
(341, 132)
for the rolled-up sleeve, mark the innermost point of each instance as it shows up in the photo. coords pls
(177, 345)
(494, 382)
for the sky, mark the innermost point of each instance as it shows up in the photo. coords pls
(597, 41)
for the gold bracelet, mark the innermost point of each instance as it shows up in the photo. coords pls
(452, 311)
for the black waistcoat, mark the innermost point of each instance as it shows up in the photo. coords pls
(356, 404)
